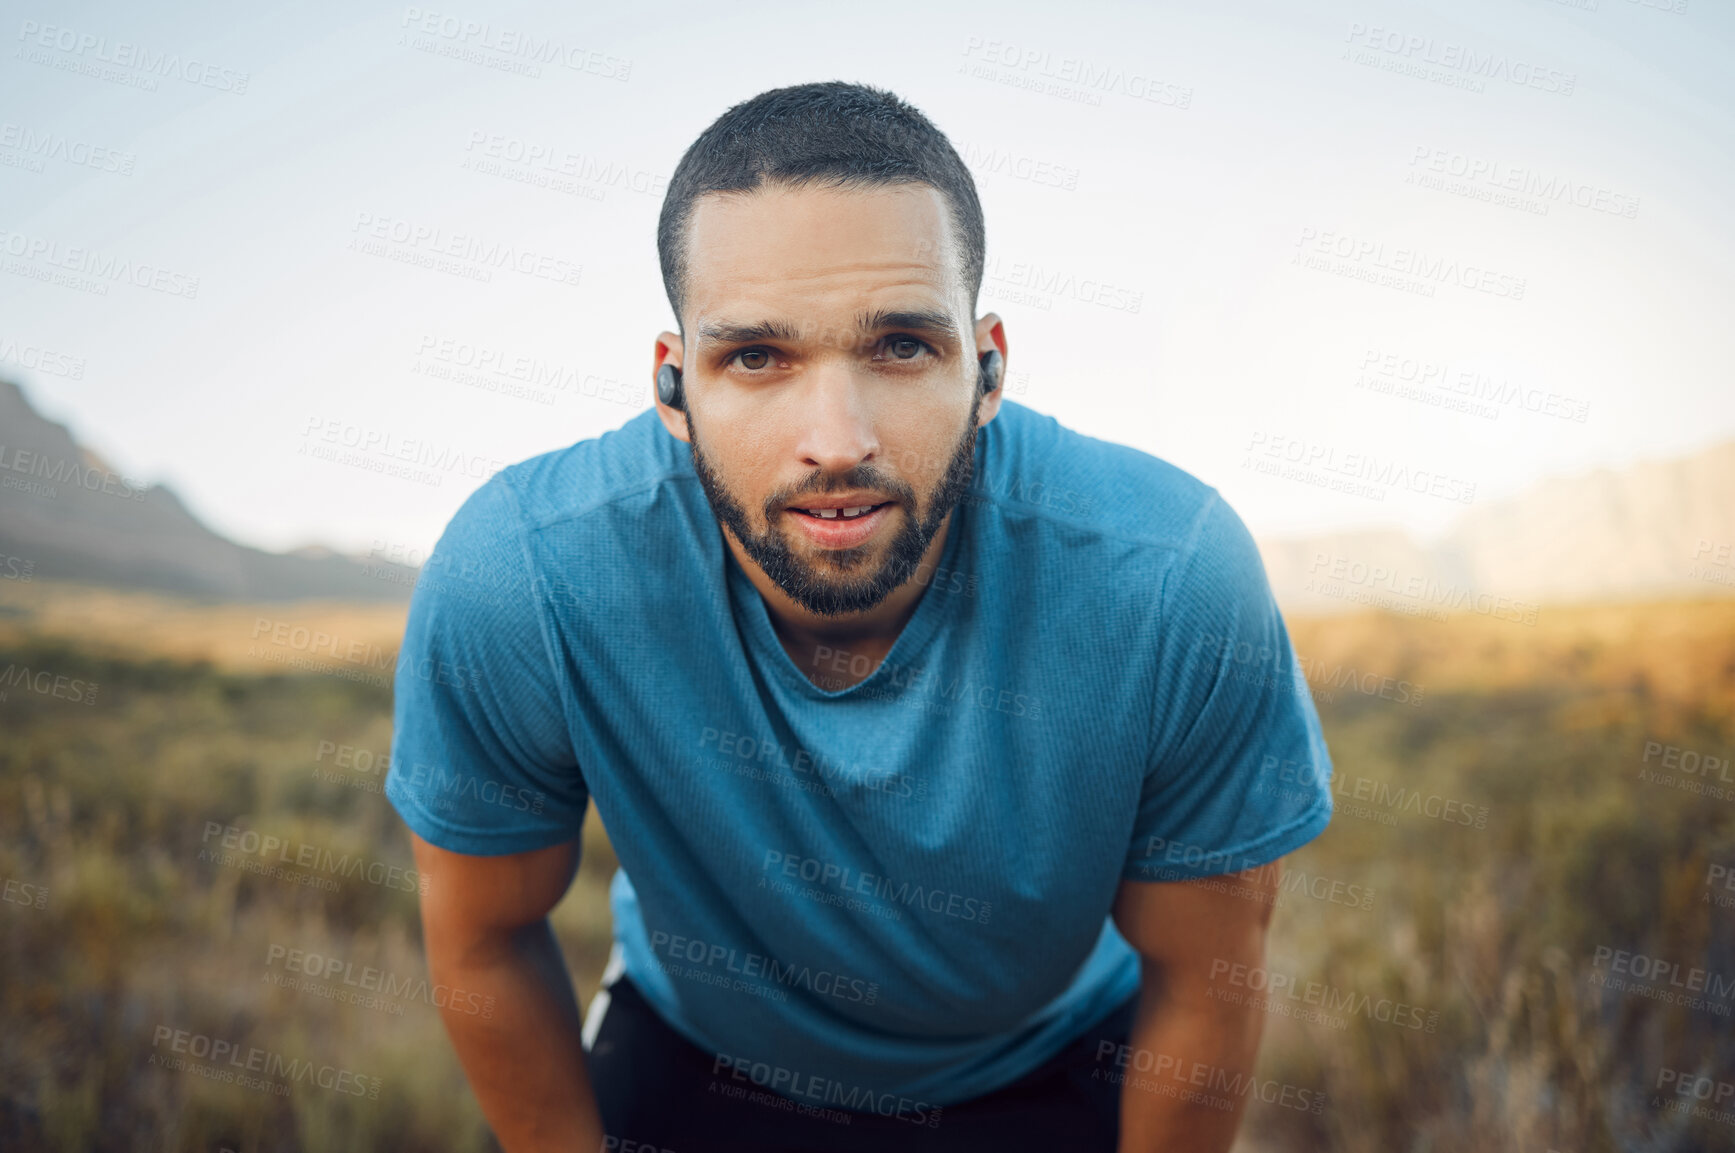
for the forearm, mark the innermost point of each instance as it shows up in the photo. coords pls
(1186, 1060)
(525, 1061)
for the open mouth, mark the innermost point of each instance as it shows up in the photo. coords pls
(840, 513)
(842, 528)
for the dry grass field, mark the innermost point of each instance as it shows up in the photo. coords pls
(1519, 826)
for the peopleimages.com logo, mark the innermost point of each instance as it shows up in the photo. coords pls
(338, 979)
(232, 1063)
(253, 852)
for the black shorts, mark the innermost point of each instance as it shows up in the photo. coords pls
(658, 1094)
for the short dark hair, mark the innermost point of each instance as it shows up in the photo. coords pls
(834, 134)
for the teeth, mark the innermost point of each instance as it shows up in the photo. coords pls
(833, 514)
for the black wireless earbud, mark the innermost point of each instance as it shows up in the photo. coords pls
(669, 379)
(669, 387)
(991, 362)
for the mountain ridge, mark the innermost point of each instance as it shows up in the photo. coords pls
(1660, 527)
(1656, 528)
(66, 514)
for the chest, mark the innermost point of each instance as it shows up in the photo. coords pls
(963, 815)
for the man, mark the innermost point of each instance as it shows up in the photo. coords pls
(911, 804)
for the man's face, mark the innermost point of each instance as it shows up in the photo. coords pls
(802, 384)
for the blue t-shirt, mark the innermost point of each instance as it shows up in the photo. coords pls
(900, 887)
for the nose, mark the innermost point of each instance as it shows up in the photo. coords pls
(837, 419)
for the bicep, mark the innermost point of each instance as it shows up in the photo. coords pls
(472, 898)
(1191, 929)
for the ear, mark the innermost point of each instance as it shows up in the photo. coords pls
(669, 350)
(990, 334)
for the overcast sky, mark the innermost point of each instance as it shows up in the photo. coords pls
(1230, 235)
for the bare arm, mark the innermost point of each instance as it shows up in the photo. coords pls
(485, 922)
(1184, 1040)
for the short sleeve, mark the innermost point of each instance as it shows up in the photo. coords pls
(1239, 773)
(482, 759)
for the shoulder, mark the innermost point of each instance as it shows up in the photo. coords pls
(569, 482)
(488, 550)
(595, 472)
(1032, 463)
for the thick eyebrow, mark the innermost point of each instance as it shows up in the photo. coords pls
(724, 332)
(933, 322)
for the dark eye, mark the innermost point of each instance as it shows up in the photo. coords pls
(905, 347)
(759, 352)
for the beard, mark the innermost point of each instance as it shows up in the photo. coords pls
(834, 584)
